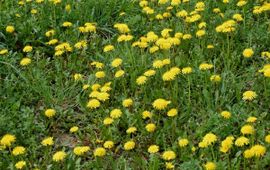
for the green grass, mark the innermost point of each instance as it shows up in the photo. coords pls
(48, 82)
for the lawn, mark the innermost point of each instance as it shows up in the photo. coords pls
(135, 84)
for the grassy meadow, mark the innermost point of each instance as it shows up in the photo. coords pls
(134, 84)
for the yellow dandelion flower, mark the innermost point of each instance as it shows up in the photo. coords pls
(172, 112)
(226, 114)
(59, 156)
(93, 104)
(153, 149)
(210, 166)
(81, 150)
(247, 129)
(151, 127)
(107, 121)
(129, 145)
(127, 102)
(47, 141)
(100, 152)
(241, 141)
(50, 113)
(168, 155)
(10, 29)
(108, 144)
(247, 53)
(25, 61)
(7, 140)
(115, 113)
(249, 95)
(27, 49)
(251, 119)
(183, 142)
(20, 165)
(141, 80)
(73, 129)
(160, 104)
(18, 150)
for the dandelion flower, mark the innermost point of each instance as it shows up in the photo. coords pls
(47, 141)
(27, 49)
(7, 140)
(153, 149)
(3, 51)
(248, 154)
(129, 145)
(100, 74)
(73, 129)
(241, 141)
(205, 66)
(141, 80)
(59, 156)
(100, 152)
(93, 104)
(18, 150)
(169, 165)
(168, 155)
(10, 29)
(81, 150)
(116, 62)
(146, 114)
(25, 61)
(115, 113)
(210, 166)
(20, 164)
(247, 129)
(108, 144)
(183, 142)
(215, 78)
(172, 113)
(226, 114)
(186, 70)
(258, 150)
(127, 102)
(119, 73)
(131, 130)
(160, 104)
(150, 127)
(247, 53)
(108, 48)
(107, 121)
(267, 138)
(251, 119)
(50, 113)
(249, 95)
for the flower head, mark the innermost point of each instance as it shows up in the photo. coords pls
(20, 164)
(108, 144)
(7, 140)
(210, 166)
(50, 113)
(168, 155)
(25, 61)
(100, 152)
(248, 52)
(183, 142)
(59, 156)
(153, 149)
(18, 150)
(160, 104)
(47, 141)
(249, 95)
(247, 129)
(81, 150)
(129, 145)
